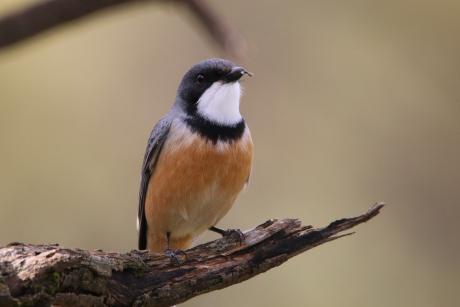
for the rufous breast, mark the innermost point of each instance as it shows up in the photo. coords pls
(195, 182)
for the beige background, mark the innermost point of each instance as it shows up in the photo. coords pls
(352, 102)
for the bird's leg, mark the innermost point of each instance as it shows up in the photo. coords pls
(172, 254)
(229, 233)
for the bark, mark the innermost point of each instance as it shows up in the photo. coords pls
(53, 275)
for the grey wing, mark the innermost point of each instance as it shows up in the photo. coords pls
(154, 145)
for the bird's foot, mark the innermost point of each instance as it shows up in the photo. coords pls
(174, 256)
(230, 233)
(235, 233)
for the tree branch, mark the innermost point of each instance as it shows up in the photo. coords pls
(49, 14)
(49, 274)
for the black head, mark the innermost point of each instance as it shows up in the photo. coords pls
(202, 75)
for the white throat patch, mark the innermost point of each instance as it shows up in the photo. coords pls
(220, 103)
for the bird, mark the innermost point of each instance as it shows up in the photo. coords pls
(197, 161)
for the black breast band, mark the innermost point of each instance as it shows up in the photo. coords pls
(214, 131)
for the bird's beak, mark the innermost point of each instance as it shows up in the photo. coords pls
(235, 74)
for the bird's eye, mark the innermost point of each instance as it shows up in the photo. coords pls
(199, 78)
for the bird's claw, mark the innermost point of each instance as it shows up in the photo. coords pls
(174, 256)
(235, 233)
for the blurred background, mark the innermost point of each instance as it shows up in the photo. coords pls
(352, 102)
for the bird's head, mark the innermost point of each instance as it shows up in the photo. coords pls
(211, 89)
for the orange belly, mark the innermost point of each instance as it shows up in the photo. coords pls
(194, 184)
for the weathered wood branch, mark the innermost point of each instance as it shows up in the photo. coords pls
(48, 14)
(49, 274)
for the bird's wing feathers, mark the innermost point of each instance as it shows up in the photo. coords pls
(154, 145)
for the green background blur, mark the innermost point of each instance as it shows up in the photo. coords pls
(352, 102)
